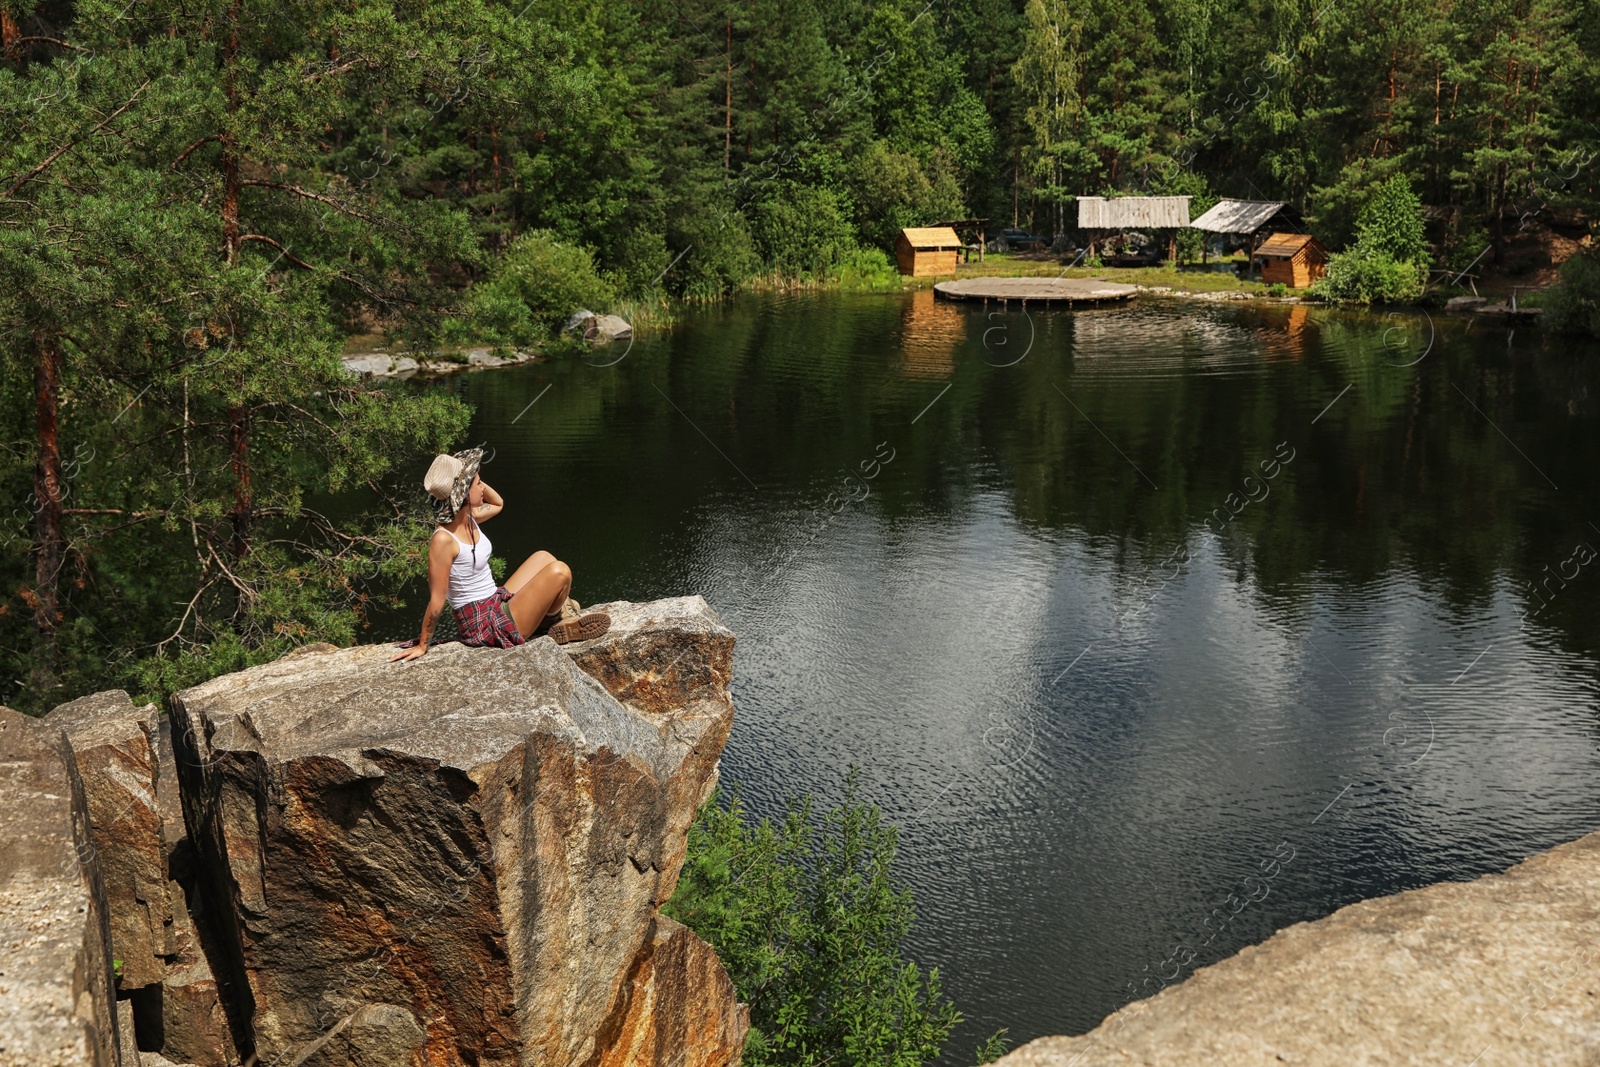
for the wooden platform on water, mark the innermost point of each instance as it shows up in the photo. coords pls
(1035, 290)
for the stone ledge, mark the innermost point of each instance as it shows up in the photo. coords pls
(1499, 971)
(56, 1000)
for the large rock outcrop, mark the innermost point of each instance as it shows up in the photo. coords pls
(460, 860)
(125, 760)
(112, 742)
(1500, 971)
(56, 999)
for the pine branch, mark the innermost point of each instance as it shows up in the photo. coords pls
(47, 40)
(185, 153)
(319, 197)
(290, 256)
(58, 153)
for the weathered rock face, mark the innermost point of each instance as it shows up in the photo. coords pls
(660, 656)
(111, 740)
(1504, 970)
(55, 972)
(460, 860)
(681, 1007)
(124, 758)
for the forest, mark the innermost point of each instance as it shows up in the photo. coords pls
(200, 203)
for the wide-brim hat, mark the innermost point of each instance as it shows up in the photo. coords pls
(449, 479)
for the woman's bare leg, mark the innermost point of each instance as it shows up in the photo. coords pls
(539, 596)
(530, 566)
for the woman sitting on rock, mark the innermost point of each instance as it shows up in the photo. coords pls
(531, 602)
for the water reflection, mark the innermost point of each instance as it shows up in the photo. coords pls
(1099, 718)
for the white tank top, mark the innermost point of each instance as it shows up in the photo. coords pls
(471, 580)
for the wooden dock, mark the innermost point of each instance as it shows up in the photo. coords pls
(1035, 290)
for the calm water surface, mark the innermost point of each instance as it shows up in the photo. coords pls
(1153, 629)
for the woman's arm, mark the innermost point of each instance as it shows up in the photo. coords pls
(441, 553)
(491, 506)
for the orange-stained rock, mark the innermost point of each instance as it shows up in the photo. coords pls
(681, 1009)
(661, 655)
(450, 862)
(111, 739)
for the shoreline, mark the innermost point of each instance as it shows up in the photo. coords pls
(381, 364)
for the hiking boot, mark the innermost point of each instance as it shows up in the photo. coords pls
(581, 628)
(569, 609)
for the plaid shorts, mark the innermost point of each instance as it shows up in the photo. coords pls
(487, 622)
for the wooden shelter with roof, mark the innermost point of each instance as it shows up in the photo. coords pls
(972, 232)
(1100, 217)
(1248, 222)
(1295, 259)
(922, 251)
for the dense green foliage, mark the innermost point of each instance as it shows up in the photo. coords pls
(535, 284)
(199, 203)
(174, 300)
(809, 922)
(1389, 261)
(1575, 304)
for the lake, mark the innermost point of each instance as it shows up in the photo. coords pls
(1154, 629)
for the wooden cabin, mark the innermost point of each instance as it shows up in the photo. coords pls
(1295, 259)
(922, 251)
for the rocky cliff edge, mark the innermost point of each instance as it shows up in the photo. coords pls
(457, 861)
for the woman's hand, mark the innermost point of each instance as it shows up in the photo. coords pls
(416, 651)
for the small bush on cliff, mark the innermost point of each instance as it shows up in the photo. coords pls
(810, 926)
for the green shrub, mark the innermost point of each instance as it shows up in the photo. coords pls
(1390, 222)
(638, 255)
(1574, 304)
(1277, 289)
(993, 1047)
(1389, 262)
(1362, 276)
(714, 252)
(801, 231)
(1465, 242)
(810, 926)
(868, 269)
(535, 285)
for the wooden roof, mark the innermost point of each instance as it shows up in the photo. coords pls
(1238, 216)
(926, 237)
(1133, 212)
(1288, 244)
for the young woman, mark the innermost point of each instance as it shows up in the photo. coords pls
(531, 601)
